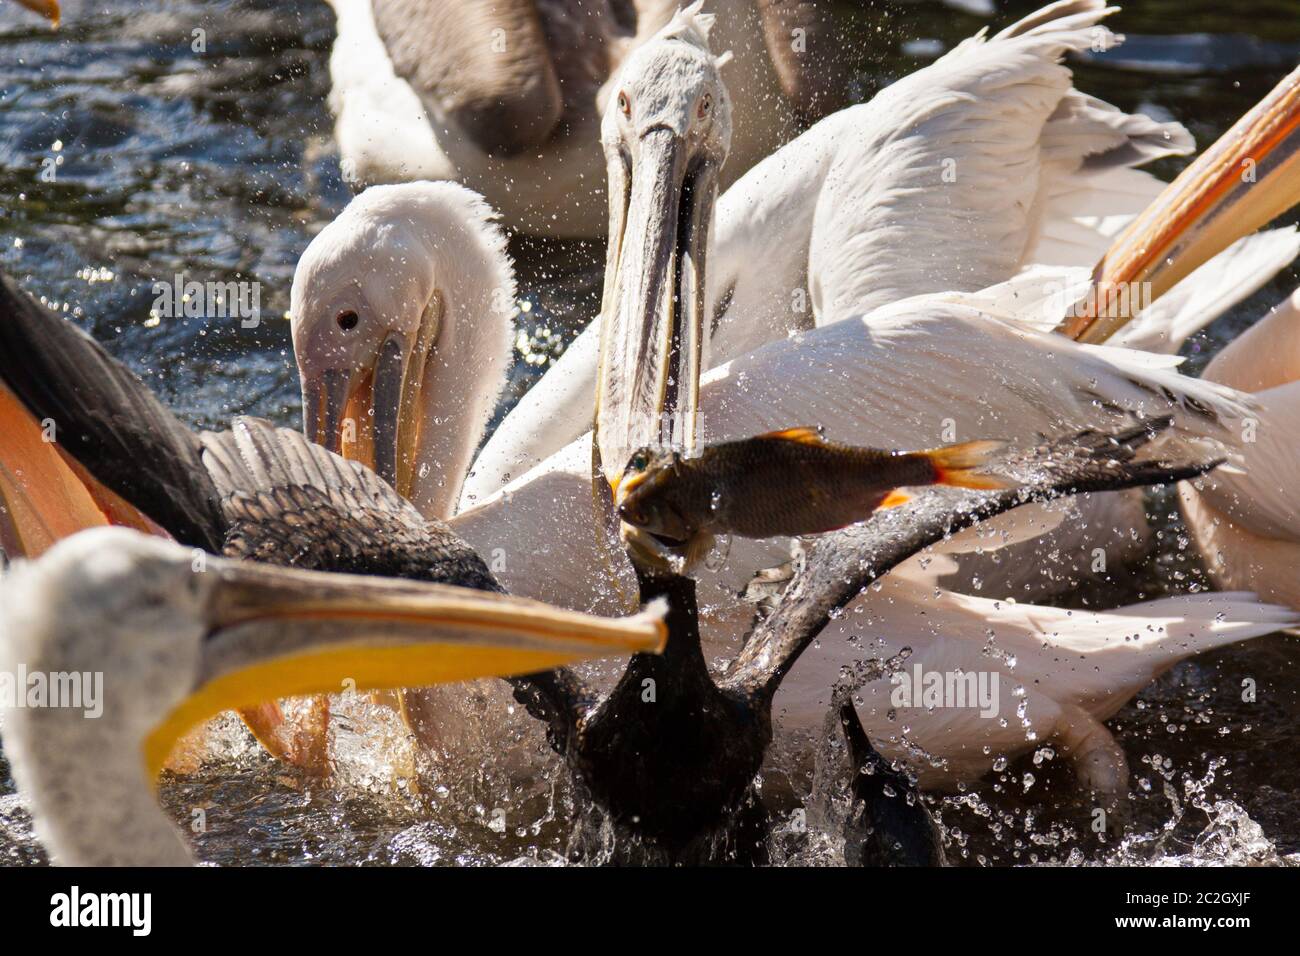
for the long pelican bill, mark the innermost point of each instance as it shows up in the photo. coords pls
(273, 632)
(1247, 178)
(45, 495)
(652, 335)
(49, 9)
(370, 413)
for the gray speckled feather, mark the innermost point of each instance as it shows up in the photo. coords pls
(289, 501)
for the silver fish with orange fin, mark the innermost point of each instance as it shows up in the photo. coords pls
(787, 483)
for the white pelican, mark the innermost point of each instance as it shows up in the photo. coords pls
(407, 295)
(176, 645)
(1248, 525)
(507, 96)
(954, 178)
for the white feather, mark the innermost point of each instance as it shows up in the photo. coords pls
(1048, 661)
(1247, 524)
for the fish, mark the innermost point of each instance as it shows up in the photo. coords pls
(787, 483)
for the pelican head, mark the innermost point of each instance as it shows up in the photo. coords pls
(666, 133)
(401, 308)
(155, 638)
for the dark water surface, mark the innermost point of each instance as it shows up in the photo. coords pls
(219, 165)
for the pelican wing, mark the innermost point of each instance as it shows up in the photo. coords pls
(974, 147)
(860, 210)
(486, 66)
(1260, 499)
(925, 372)
(107, 419)
(1049, 662)
(933, 370)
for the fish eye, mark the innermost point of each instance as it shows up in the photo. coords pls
(624, 104)
(347, 321)
(706, 103)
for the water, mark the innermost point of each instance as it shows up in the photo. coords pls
(218, 163)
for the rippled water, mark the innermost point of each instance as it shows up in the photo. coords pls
(219, 164)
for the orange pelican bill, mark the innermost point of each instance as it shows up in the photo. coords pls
(1246, 179)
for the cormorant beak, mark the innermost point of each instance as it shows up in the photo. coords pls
(49, 9)
(1247, 178)
(652, 336)
(273, 632)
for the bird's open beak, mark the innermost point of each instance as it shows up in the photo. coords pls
(652, 336)
(371, 414)
(1247, 178)
(49, 9)
(277, 632)
(45, 494)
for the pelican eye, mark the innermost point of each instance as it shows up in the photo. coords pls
(706, 103)
(640, 461)
(347, 321)
(624, 104)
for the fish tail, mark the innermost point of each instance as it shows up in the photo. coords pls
(963, 465)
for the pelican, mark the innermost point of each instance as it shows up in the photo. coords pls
(77, 427)
(179, 645)
(1246, 525)
(952, 179)
(506, 97)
